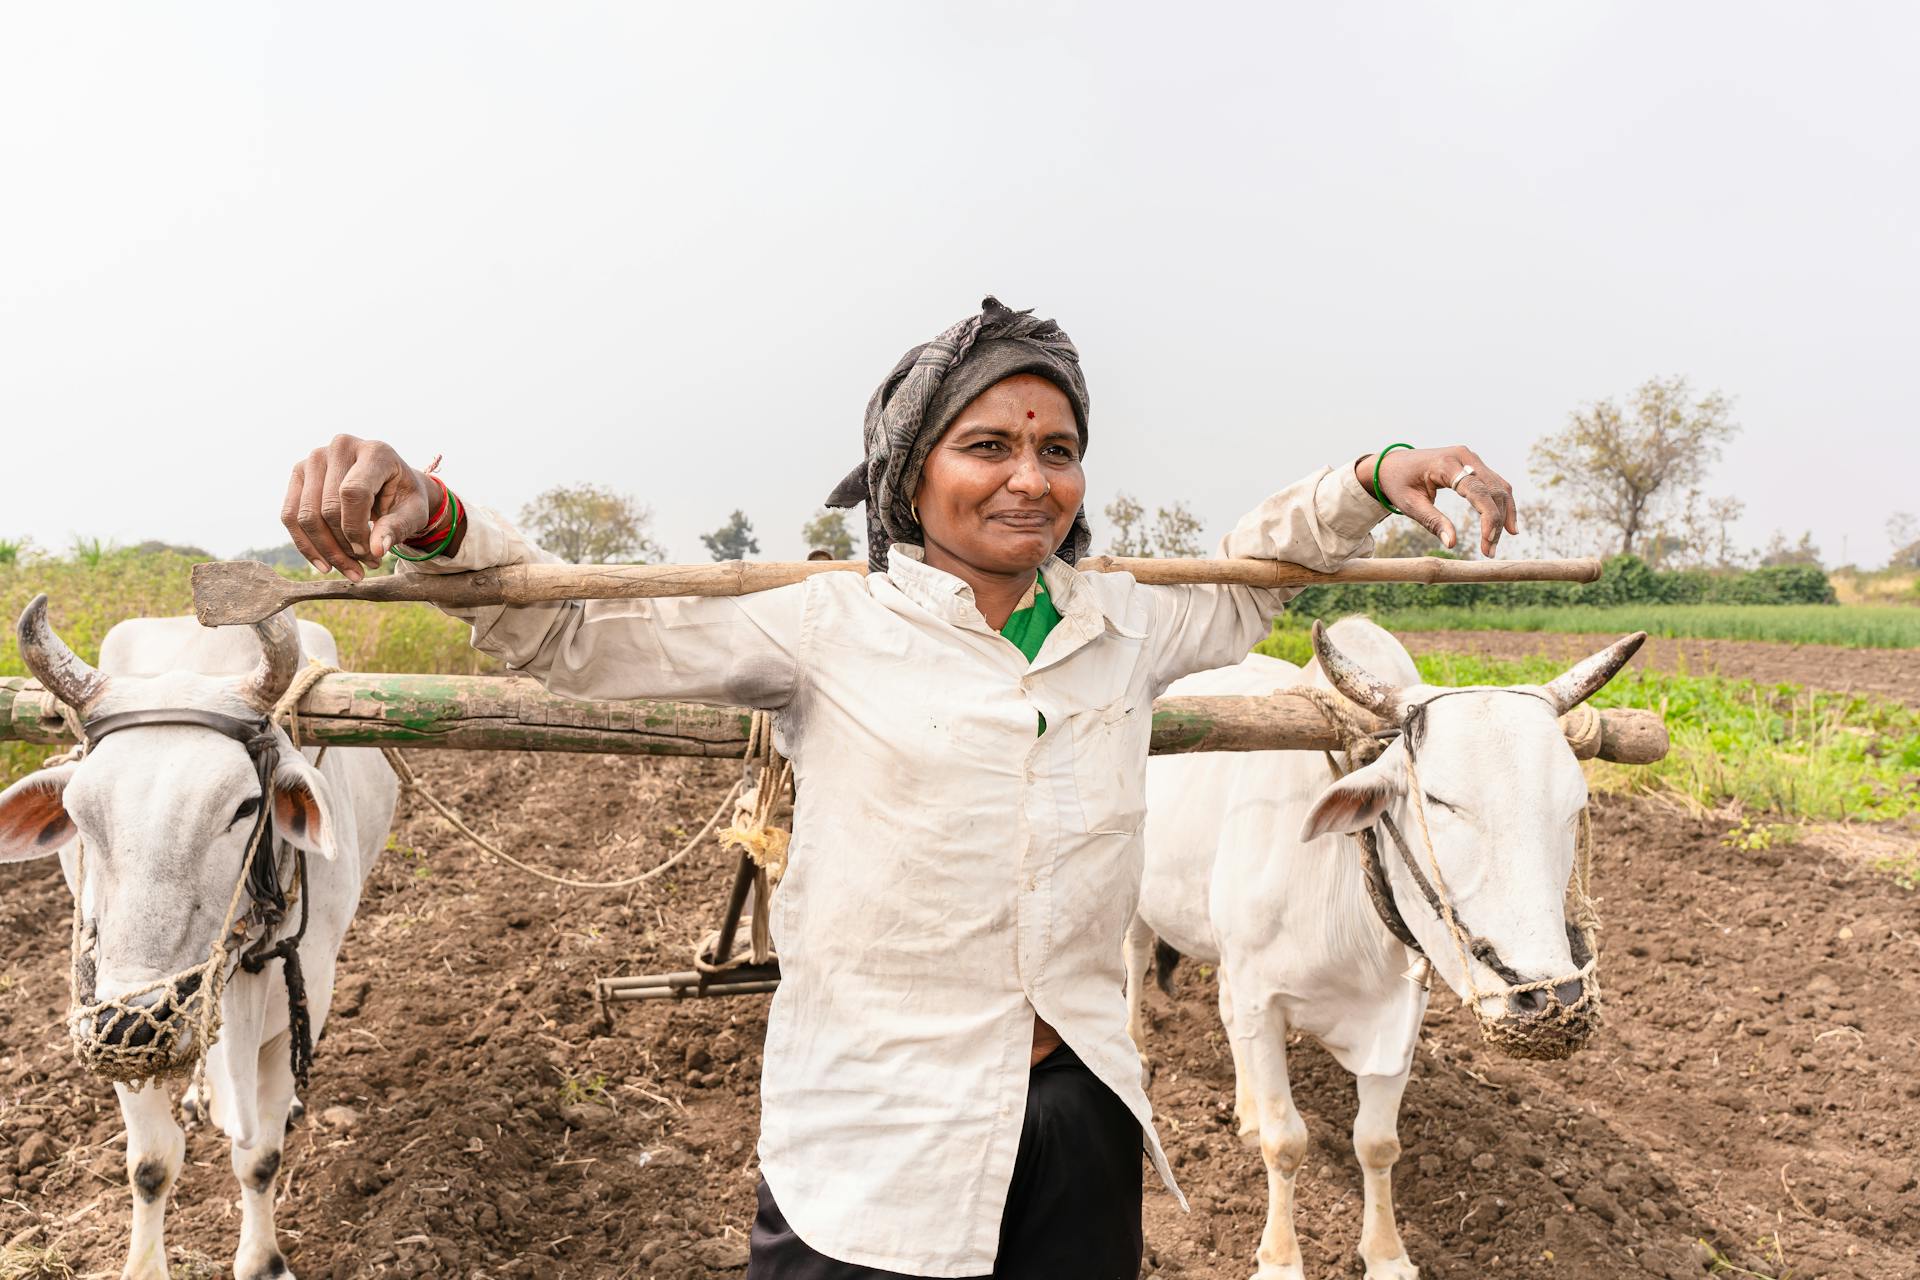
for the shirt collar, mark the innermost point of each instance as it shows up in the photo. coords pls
(950, 599)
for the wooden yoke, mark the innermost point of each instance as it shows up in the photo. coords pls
(516, 713)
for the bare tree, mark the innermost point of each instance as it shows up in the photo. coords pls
(828, 531)
(1627, 470)
(1126, 517)
(1175, 530)
(1904, 533)
(1699, 535)
(1779, 551)
(587, 524)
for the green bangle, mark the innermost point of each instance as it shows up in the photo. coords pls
(453, 526)
(1379, 495)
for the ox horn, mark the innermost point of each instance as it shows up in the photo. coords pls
(279, 659)
(58, 668)
(1586, 677)
(1355, 681)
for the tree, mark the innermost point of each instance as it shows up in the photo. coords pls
(1780, 552)
(1175, 530)
(1904, 533)
(1626, 470)
(733, 540)
(587, 524)
(828, 531)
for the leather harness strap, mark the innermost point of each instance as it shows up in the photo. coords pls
(269, 896)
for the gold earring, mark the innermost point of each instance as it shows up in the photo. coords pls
(915, 508)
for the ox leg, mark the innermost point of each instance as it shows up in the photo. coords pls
(1376, 1140)
(1245, 1111)
(1138, 952)
(1283, 1135)
(258, 1168)
(155, 1150)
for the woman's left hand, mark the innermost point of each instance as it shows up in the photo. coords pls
(1410, 478)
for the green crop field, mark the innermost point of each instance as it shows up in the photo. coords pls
(1865, 626)
(1779, 749)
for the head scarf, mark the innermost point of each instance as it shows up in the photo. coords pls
(926, 391)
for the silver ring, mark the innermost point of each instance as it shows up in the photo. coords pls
(1464, 473)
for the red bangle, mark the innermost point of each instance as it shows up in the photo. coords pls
(433, 533)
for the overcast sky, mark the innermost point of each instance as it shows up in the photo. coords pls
(671, 249)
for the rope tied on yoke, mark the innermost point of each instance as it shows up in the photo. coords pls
(755, 832)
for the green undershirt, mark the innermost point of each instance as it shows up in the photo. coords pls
(1028, 627)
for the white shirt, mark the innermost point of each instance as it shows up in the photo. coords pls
(951, 873)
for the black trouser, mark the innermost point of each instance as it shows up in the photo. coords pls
(1073, 1210)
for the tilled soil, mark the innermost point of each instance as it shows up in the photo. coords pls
(1756, 1086)
(1890, 673)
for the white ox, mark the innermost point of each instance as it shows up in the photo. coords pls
(165, 812)
(1252, 863)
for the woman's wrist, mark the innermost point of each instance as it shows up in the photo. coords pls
(1363, 472)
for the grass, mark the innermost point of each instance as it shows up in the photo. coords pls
(584, 1090)
(1773, 749)
(1882, 586)
(99, 586)
(22, 1261)
(1863, 626)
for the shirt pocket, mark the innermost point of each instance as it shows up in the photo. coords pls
(1109, 766)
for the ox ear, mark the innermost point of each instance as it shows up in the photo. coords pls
(303, 807)
(1356, 801)
(33, 815)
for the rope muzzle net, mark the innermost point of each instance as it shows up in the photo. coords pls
(165, 1028)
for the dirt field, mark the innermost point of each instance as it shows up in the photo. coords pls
(1891, 673)
(1755, 1085)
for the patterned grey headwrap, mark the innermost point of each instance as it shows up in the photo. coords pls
(924, 394)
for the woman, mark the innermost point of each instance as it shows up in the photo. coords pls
(949, 1089)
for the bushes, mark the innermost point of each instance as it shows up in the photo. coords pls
(1627, 580)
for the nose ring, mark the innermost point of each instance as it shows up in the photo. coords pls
(1049, 489)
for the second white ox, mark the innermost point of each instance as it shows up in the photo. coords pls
(166, 810)
(1252, 863)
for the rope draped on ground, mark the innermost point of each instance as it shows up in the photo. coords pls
(410, 782)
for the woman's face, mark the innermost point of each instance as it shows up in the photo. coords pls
(999, 491)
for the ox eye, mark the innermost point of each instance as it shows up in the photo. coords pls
(1450, 808)
(246, 810)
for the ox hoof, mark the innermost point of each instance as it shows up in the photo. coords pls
(1146, 1072)
(1292, 1271)
(272, 1267)
(1400, 1268)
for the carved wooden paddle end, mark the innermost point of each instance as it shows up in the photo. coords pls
(229, 593)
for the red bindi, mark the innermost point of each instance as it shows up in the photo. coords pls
(1029, 413)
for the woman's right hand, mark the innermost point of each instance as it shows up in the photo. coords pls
(351, 500)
